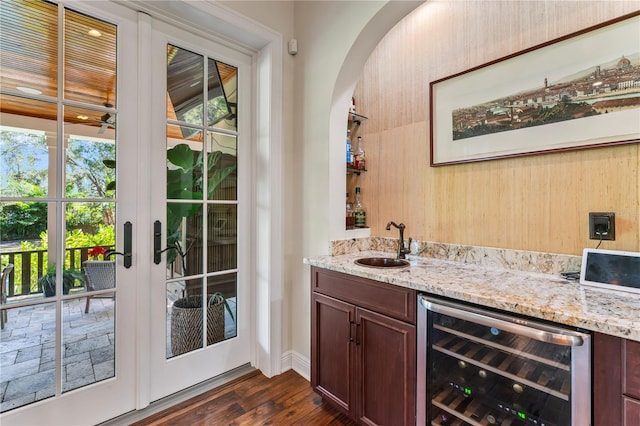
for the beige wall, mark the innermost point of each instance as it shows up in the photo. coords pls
(496, 203)
(538, 203)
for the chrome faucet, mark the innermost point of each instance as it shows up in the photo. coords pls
(401, 249)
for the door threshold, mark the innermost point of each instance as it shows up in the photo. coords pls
(181, 396)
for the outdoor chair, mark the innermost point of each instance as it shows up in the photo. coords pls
(101, 274)
(4, 282)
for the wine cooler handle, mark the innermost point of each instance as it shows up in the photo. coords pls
(128, 246)
(515, 325)
(157, 242)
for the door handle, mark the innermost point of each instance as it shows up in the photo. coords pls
(157, 242)
(128, 243)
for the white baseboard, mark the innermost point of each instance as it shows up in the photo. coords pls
(300, 364)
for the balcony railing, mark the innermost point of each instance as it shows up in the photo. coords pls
(30, 265)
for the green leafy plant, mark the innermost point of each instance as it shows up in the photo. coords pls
(48, 280)
(185, 182)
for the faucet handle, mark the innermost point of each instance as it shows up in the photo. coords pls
(407, 249)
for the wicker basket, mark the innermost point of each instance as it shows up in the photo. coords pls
(186, 323)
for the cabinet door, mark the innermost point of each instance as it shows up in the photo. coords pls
(333, 351)
(607, 377)
(386, 369)
(632, 369)
(631, 412)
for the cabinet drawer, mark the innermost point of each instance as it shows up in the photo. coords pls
(631, 376)
(393, 301)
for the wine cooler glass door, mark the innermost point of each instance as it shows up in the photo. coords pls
(485, 368)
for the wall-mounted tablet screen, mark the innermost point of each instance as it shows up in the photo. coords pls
(616, 270)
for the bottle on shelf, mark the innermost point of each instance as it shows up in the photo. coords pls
(359, 211)
(351, 219)
(358, 155)
(349, 150)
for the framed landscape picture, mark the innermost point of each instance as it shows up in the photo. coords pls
(578, 91)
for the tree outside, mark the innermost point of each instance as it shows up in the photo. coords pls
(25, 175)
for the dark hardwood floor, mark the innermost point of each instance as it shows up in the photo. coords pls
(253, 399)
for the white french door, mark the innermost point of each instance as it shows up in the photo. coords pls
(200, 170)
(69, 111)
(164, 140)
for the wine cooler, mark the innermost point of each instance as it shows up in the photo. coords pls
(479, 367)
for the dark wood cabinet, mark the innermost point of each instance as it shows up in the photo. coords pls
(333, 352)
(616, 381)
(386, 369)
(363, 347)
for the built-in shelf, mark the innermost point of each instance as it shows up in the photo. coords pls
(354, 121)
(356, 118)
(354, 171)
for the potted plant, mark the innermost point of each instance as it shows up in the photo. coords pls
(48, 281)
(186, 322)
(96, 252)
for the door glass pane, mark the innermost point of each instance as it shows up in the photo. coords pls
(185, 313)
(27, 148)
(222, 237)
(222, 164)
(185, 85)
(88, 341)
(23, 228)
(184, 171)
(222, 291)
(28, 357)
(89, 60)
(225, 104)
(218, 108)
(184, 239)
(90, 153)
(29, 45)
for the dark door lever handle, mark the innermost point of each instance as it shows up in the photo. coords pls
(128, 227)
(157, 241)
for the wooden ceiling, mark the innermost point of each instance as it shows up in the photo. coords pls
(29, 55)
(29, 50)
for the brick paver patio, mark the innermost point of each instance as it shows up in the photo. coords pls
(27, 350)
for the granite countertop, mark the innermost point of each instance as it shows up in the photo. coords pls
(537, 295)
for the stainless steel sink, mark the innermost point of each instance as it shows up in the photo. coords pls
(382, 262)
